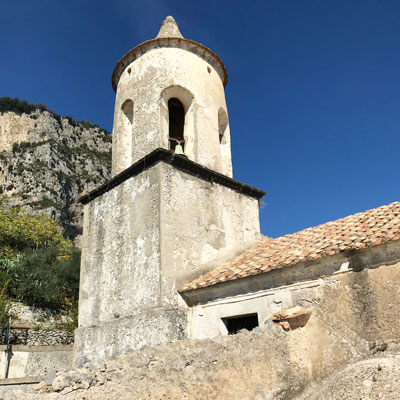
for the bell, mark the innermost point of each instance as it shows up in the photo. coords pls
(179, 150)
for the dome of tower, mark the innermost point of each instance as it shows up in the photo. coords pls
(169, 36)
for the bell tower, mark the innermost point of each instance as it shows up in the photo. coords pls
(169, 92)
(171, 211)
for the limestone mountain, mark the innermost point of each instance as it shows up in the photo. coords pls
(47, 161)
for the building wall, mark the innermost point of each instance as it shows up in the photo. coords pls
(286, 288)
(36, 361)
(148, 327)
(142, 241)
(353, 318)
(149, 82)
(120, 265)
(202, 225)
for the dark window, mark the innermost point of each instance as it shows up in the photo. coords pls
(176, 123)
(239, 322)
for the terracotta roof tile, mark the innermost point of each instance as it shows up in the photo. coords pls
(358, 231)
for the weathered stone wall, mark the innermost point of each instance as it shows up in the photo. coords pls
(120, 267)
(33, 361)
(275, 291)
(37, 337)
(46, 326)
(150, 81)
(24, 314)
(267, 363)
(120, 273)
(202, 225)
(143, 240)
(108, 340)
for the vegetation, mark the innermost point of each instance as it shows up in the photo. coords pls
(19, 107)
(37, 265)
(20, 231)
(44, 203)
(5, 304)
(42, 278)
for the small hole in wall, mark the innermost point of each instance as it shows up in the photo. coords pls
(129, 71)
(209, 70)
(236, 323)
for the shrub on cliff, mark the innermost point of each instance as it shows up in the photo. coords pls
(20, 231)
(5, 304)
(42, 267)
(44, 278)
(19, 107)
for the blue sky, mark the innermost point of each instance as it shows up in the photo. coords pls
(313, 93)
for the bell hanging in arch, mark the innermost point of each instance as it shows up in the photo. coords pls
(179, 150)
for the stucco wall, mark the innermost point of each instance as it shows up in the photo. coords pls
(289, 287)
(142, 241)
(149, 82)
(120, 254)
(146, 328)
(202, 225)
(33, 361)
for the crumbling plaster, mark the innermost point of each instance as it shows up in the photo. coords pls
(28, 361)
(149, 327)
(149, 81)
(201, 225)
(142, 241)
(120, 252)
(280, 289)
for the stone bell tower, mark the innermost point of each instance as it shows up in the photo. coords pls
(171, 90)
(172, 210)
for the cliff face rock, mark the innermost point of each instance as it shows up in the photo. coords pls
(48, 161)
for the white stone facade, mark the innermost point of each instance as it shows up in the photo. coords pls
(141, 108)
(164, 218)
(263, 295)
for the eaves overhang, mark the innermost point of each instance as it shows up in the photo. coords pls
(179, 162)
(186, 44)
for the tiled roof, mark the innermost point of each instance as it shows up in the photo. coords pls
(358, 231)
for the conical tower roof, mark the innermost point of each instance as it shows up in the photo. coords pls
(169, 29)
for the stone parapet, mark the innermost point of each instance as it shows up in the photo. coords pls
(40, 337)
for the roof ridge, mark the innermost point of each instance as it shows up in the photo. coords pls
(340, 219)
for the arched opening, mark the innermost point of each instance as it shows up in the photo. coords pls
(127, 109)
(176, 113)
(124, 148)
(222, 125)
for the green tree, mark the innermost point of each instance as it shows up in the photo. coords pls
(44, 278)
(20, 231)
(39, 266)
(5, 304)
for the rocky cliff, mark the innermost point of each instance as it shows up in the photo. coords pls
(48, 161)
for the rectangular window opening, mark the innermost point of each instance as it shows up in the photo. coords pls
(236, 323)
